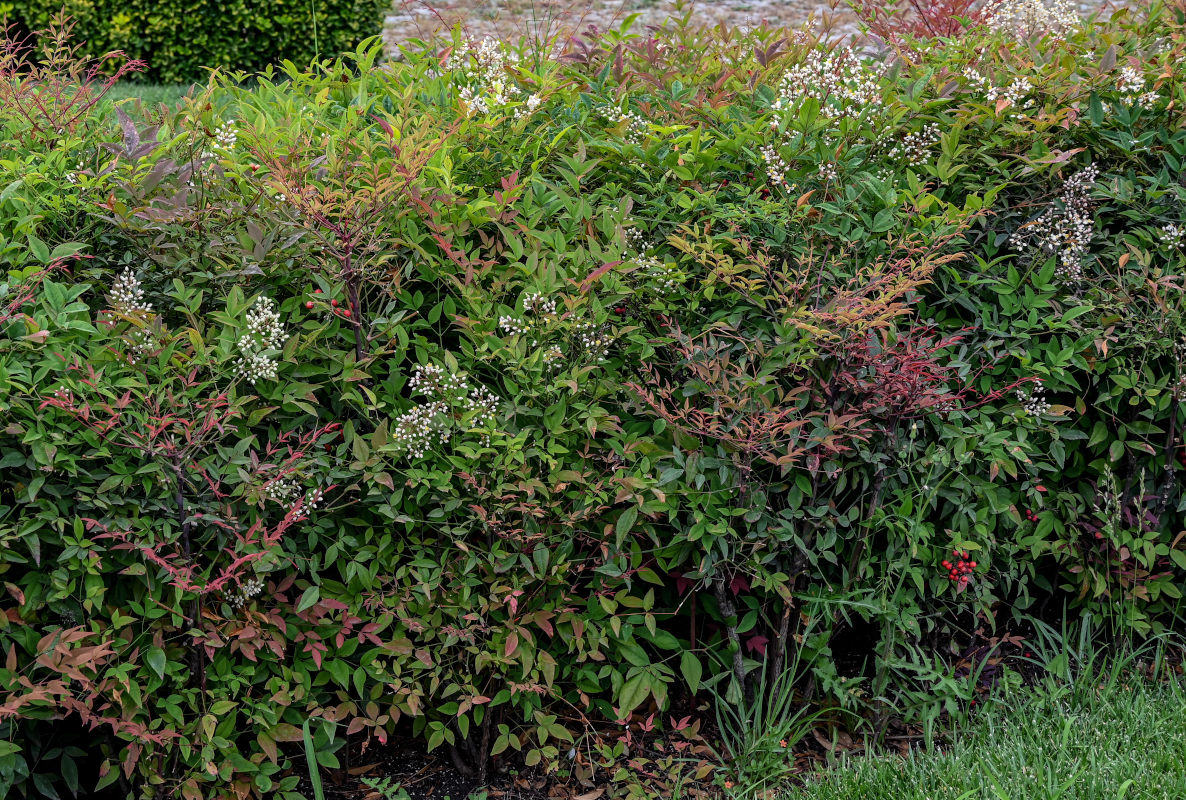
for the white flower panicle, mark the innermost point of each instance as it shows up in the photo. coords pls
(482, 405)
(512, 326)
(265, 335)
(251, 588)
(843, 83)
(1033, 401)
(1066, 228)
(662, 276)
(450, 401)
(1172, 234)
(595, 340)
(637, 239)
(637, 128)
(975, 81)
(1131, 85)
(487, 85)
(127, 295)
(226, 136)
(422, 426)
(283, 490)
(1130, 81)
(1024, 19)
(536, 303)
(1015, 92)
(915, 147)
(777, 167)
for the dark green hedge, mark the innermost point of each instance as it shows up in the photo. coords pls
(180, 38)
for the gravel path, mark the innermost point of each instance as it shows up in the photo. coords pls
(511, 19)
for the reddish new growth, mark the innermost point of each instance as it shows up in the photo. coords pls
(739, 407)
(24, 293)
(247, 546)
(907, 376)
(72, 660)
(897, 20)
(54, 90)
(172, 427)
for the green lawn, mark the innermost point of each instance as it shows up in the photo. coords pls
(150, 93)
(1121, 740)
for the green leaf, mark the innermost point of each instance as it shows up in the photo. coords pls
(634, 691)
(626, 522)
(689, 665)
(308, 599)
(156, 660)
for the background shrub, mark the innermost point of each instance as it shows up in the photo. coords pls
(180, 39)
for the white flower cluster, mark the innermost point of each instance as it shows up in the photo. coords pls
(843, 83)
(432, 421)
(482, 405)
(529, 106)
(1066, 228)
(533, 304)
(637, 239)
(72, 177)
(1014, 92)
(637, 128)
(265, 335)
(127, 298)
(226, 136)
(512, 326)
(976, 81)
(431, 379)
(283, 490)
(661, 275)
(1024, 19)
(915, 147)
(127, 295)
(313, 499)
(536, 303)
(828, 172)
(1131, 83)
(249, 589)
(776, 166)
(1173, 235)
(421, 426)
(487, 85)
(595, 340)
(1033, 401)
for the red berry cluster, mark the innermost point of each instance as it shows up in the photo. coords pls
(309, 304)
(1031, 515)
(961, 569)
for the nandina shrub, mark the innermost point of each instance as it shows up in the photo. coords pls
(508, 401)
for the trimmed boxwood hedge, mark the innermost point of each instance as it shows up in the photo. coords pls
(180, 39)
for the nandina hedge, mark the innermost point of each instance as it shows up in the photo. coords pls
(499, 398)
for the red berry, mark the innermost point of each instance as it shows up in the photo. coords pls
(946, 564)
(333, 303)
(316, 291)
(309, 304)
(972, 565)
(346, 313)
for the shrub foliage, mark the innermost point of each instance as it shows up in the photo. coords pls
(502, 399)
